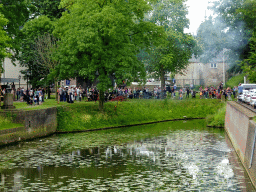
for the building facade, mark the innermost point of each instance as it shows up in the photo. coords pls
(198, 73)
(11, 74)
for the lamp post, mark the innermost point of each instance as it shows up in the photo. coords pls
(19, 80)
(27, 82)
(224, 66)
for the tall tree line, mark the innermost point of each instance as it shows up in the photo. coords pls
(98, 39)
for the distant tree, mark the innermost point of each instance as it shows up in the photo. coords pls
(230, 13)
(17, 12)
(103, 38)
(29, 56)
(212, 39)
(173, 53)
(4, 40)
(249, 16)
(4, 44)
(249, 64)
(46, 46)
(50, 8)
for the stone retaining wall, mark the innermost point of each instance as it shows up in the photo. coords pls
(241, 130)
(37, 123)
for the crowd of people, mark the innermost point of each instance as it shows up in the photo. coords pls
(71, 94)
(30, 96)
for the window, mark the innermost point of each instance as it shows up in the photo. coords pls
(213, 65)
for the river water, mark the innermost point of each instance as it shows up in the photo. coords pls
(172, 156)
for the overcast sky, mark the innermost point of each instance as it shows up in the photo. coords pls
(196, 14)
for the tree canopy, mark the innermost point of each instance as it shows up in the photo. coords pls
(4, 40)
(173, 54)
(29, 56)
(236, 18)
(104, 37)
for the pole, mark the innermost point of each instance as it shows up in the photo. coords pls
(223, 69)
(27, 84)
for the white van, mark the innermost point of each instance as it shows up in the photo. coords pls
(248, 86)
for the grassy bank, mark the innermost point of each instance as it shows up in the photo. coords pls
(81, 116)
(217, 119)
(235, 80)
(6, 123)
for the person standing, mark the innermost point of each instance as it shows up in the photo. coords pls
(240, 89)
(234, 91)
(187, 95)
(18, 94)
(78, 94)
(95, 95)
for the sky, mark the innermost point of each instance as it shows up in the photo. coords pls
(196, 14)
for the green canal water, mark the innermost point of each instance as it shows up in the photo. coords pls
(171, 156)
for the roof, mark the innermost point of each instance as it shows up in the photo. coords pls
(218, 59)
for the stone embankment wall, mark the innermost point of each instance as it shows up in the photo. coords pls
(37, 123)
(241, 130)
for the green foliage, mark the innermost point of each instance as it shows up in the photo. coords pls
(17, 12)
(83, 116)
(4, 39)
(103, 37)
(249, 64)
(30, 57)
(50, 8)
(235, 80)
(217, 119)
(238, 20)
(173, 53)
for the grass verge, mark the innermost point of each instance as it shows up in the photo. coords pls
(235, 80)
(83, 116)
(217, 119)
(6, 123)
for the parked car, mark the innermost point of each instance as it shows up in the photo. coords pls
(240, 97)
(248, 86)
(253, 100)
(243, 95)
(248, 96)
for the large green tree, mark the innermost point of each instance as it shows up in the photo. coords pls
(4, 40)
(173, 53)
(249, 16)
(30, 57)
(17, 12)
(103, 37)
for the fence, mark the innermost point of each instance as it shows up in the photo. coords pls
(188, 82)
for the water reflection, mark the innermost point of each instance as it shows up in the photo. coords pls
(146, 159)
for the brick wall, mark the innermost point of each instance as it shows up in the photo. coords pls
(37, 123)
(240, 128)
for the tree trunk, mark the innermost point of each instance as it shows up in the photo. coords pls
(56, 89)
(101, 101)
(0, 89)
(48, 91)
(162, 73)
